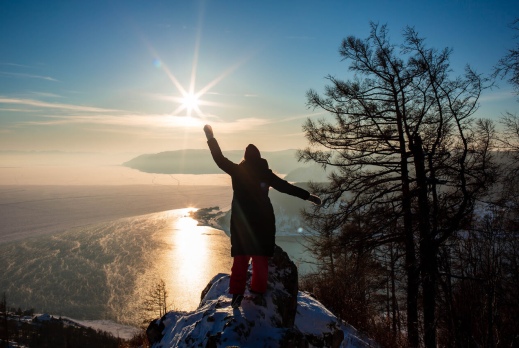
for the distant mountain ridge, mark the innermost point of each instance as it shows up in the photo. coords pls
(199, 161)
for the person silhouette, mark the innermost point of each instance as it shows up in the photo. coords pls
(253, 225)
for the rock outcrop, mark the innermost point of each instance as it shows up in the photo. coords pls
(284, 317)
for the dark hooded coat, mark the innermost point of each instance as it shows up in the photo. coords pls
(253, 224)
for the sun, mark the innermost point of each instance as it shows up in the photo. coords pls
(190, 101)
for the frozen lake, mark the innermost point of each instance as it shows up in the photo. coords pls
(94, 252)
(105, 270)
(27, 211)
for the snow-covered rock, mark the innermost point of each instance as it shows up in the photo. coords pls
(285, 318)
(44, 317)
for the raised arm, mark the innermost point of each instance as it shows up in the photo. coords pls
(221, 161)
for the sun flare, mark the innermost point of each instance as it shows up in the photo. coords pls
(190, 101)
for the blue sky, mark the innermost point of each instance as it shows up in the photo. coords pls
(109, 76)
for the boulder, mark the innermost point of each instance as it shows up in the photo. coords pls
(283, 317)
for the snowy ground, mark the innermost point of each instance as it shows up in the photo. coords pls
(117, 330)
(251, 325)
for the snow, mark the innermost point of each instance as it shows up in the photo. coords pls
(314, 319)
(44, 317)
(117, 330)
(312, 315)
(250, 325)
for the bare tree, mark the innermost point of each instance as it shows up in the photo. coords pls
(156, 300)
(403, 142)
(481, 282)
(508, 66)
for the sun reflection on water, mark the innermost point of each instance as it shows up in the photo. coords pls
(190, 247)
(187, 259)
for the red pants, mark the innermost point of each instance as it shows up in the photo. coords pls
(260, 271)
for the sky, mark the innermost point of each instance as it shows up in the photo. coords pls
(121, 76)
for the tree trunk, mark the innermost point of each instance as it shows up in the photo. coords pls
(411, 267)
(428, 248)
(428, 269)
(395, 324)
(412, 288)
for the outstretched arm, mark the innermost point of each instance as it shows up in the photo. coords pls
(286, 187)
(314, 199)
(221, 161)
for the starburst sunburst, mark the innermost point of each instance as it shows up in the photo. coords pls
(190, 99)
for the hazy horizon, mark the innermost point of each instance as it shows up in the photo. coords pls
(73, 168)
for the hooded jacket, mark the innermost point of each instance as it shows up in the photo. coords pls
(253, 224)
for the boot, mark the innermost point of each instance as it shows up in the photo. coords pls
(236, 300)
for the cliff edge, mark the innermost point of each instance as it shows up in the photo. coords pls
(284, 317)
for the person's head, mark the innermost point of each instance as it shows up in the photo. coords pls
(251, 153)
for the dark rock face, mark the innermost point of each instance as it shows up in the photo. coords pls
(283, 271)
(154, 331)
(268, 321)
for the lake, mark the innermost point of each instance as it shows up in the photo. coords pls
(104, 270)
